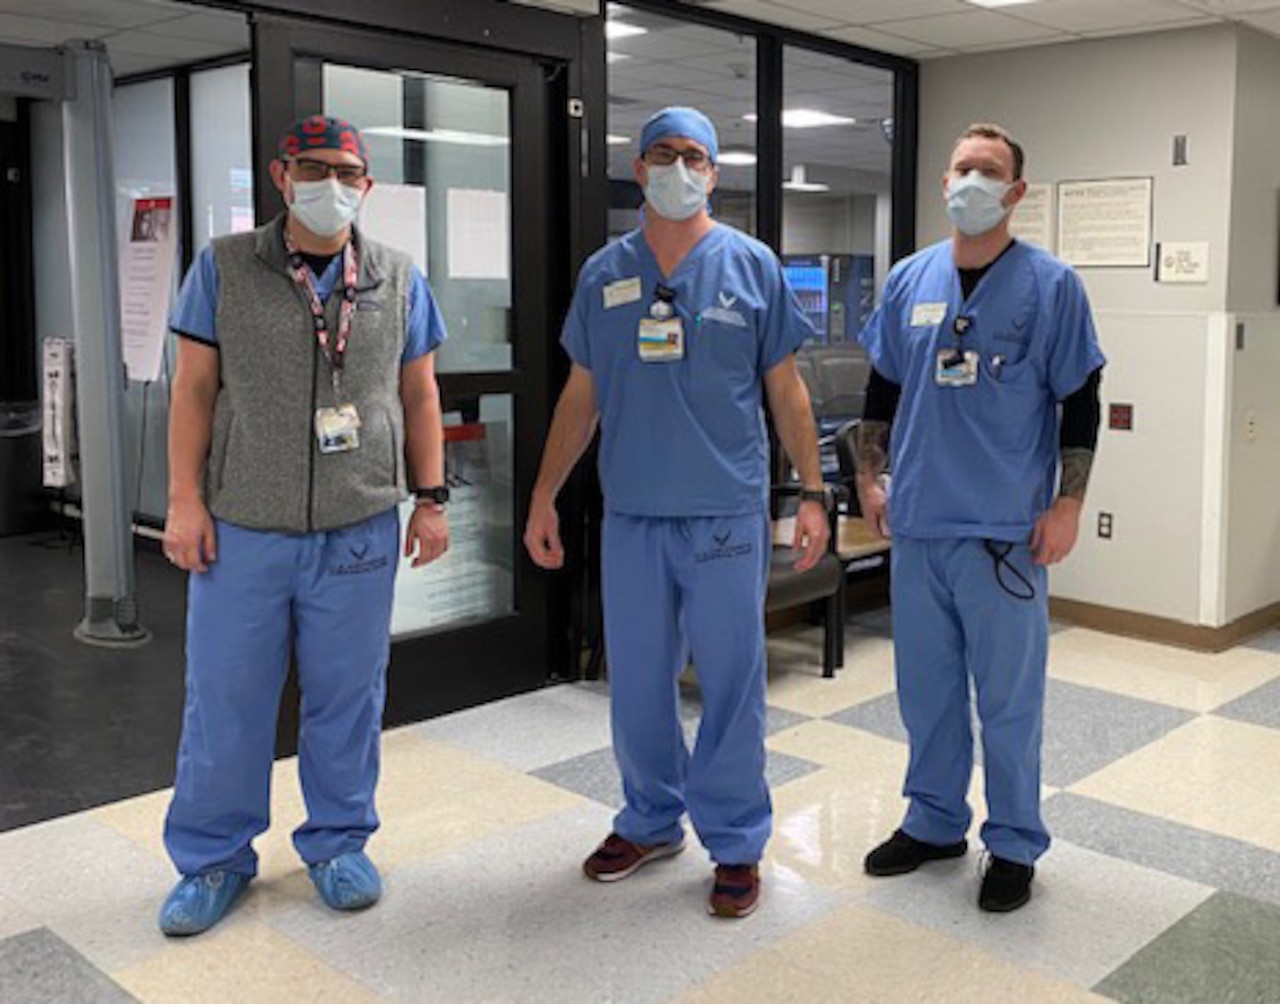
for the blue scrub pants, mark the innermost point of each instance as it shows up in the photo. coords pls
(329, 596)
(952, 621)
(675, 587)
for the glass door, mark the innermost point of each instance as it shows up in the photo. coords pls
(460, 150)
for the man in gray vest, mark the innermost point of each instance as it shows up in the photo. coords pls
(305, 386)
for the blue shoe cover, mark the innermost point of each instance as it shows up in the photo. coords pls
(347, 882)
(198, 902)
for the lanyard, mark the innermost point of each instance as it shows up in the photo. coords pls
(334, 354)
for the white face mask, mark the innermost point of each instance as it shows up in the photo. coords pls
(325, 207)
(975, 203)
(675, 192)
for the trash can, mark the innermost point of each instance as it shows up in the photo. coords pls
(21, 494)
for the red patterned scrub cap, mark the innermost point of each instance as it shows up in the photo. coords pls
(320, 132)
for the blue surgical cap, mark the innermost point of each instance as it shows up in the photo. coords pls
(688, 123)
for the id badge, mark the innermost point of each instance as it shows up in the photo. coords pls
(661, 341)
(338, 429)
(956, 369)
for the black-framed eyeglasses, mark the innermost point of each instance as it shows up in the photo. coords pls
(665, 156)
(306, 169)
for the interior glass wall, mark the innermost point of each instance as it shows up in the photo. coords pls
(655, 61)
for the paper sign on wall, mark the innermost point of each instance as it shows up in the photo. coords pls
(146, 280)
(61, 454)
(396, 215)
(478, 227)
(1105, 223)
(1032, 220)
(1183, 262)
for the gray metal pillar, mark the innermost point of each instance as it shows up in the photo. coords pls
(111, 608)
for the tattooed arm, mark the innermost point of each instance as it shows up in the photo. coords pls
(1056, 531)
(871, 443)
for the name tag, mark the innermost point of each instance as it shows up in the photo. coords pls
(621, 292)
(338, 429)
(925, 315)
(660, 341)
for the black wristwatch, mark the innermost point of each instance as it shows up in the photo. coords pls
(439, 494)
(820, 495)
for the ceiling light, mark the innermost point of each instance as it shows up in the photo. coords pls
(806, 118)
(439, 136)
(800, 183)
(737, 158)
(616, 140)
(998, 3)
(616, 57)
(620, 29)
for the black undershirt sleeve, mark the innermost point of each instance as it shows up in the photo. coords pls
(882, 398)
(1081, 416)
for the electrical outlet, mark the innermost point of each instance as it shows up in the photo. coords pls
(1104, 525)
(1251, 426)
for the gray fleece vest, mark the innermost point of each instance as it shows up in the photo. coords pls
(265, 470)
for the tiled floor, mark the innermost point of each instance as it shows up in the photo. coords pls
(1163, 884)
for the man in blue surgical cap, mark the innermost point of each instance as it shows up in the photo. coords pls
(677, 332)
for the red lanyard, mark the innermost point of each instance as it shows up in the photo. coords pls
(335, 354)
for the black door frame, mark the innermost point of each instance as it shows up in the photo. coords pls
(456, 668)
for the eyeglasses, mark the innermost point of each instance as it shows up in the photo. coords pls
(318, 170)
(664, 156)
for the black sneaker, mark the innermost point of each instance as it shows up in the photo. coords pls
(1006, 885)
(903, 853)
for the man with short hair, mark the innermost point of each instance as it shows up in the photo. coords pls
(979, 342)
(305, 386)
(676, 332)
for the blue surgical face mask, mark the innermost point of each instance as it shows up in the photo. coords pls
(975, 203)
(675, 192)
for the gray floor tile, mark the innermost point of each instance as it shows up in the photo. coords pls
(1200, 959)
(534, 929)
(1085, 729)
(1258, 707)
(1268, 641)
(1170, 847)
(530, 730)
(776, 719)
(595, 775)
(38, 967)
(879, 717)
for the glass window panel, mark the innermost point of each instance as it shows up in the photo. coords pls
(475, 580)
(221, 153)
(655, 61)
(440, 152)
(836, 202)
(146, 165)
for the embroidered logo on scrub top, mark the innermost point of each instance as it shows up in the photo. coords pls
(724, 313)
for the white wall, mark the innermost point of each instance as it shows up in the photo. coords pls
(1111, 108)
(1252, 532)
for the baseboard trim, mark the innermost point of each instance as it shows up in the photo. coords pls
(1163, 629)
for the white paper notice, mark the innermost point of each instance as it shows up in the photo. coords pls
(1183, 262)
(478, 226)
(146, 280)
(396, 215)
(1033, 218)
(61, 455)
(1105, 223)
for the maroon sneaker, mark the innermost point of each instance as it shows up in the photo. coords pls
(736, 892)
(618, 857)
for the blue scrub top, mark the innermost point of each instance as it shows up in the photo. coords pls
(196, 311)
(982, 460)
(685, 438)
